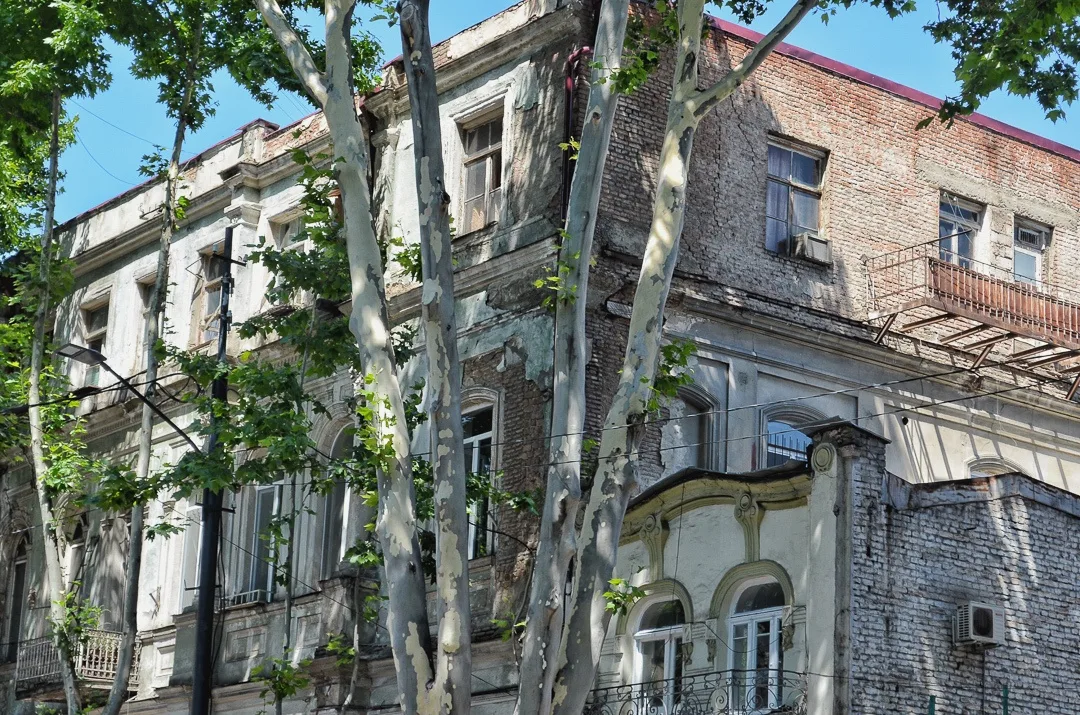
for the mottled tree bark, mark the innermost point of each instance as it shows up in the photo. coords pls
(557, 544)
(616, 476)
(155, 312)
(50, 528)
(451, 690)
(332, 90)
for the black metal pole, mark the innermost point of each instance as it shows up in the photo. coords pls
(202, 675)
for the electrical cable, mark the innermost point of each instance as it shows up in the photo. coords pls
(118, 128)
(82, 143)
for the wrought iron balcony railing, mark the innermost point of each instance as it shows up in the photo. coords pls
(732, 692)
(38, 662)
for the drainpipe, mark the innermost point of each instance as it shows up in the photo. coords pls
(572, 64)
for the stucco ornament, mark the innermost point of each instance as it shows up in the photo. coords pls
(654, 532)
(749, 515)
(823, 459)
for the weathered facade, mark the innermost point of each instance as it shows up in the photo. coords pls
(881, 426)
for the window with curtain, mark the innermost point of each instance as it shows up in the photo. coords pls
(958, 223)
(793, 196)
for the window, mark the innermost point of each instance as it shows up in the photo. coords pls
(686, 436)
(784, 442)
(658, 642)
(793, 197)
(76, 550)
(335, 509)
(95, 328)
(213, 271)
(290, 234)
(958, 222)
(756, 647)
(189, 558)
(1030, 240)
(261, 547)
(16, 600)
(477, 429)
(145, 286)
(483, 173)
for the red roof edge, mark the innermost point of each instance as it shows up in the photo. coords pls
(902, 91)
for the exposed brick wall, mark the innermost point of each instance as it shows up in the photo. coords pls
(912, 566)
(881, 189)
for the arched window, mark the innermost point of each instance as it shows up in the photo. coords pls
(17, 599)
(335, 509)
(658, 652)
(992, 467)
(756, 646)
(689, 435)
(784, 440)
(76, 550)
(478, 429)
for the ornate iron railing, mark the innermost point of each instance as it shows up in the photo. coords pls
(732, 692)
(38, 662)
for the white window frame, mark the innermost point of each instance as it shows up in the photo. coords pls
(493, 158)
(76, 549)
(950, 252)
(476, 441)
(672, 637)
(92, 335)
(1036, 247)
(794, 186)
(255, 564)
(775, 617)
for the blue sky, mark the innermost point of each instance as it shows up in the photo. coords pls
(104, 162)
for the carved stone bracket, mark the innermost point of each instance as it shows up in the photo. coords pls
(749, 515)
(654, 533)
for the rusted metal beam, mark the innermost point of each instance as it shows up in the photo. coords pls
(925, 322)
(1070, 369)
(885, 328)
(964, 334)
(989, 342)
(982, 356)
(1057, 357)
(1032, 351)
(1072, 390)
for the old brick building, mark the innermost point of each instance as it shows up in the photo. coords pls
(881, 427)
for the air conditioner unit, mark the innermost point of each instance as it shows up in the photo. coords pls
(979, 624)
(812, 247)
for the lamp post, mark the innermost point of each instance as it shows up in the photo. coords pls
(90, 356)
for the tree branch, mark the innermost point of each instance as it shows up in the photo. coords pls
(708, 98)
(299, 57)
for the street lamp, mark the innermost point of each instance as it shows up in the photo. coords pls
(90, 356)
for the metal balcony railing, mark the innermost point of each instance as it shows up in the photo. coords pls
(38, 662)
(732, 692)
(926, 275)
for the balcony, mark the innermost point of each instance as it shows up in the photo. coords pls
(977, 309)
(732, 692)
(37, 666)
